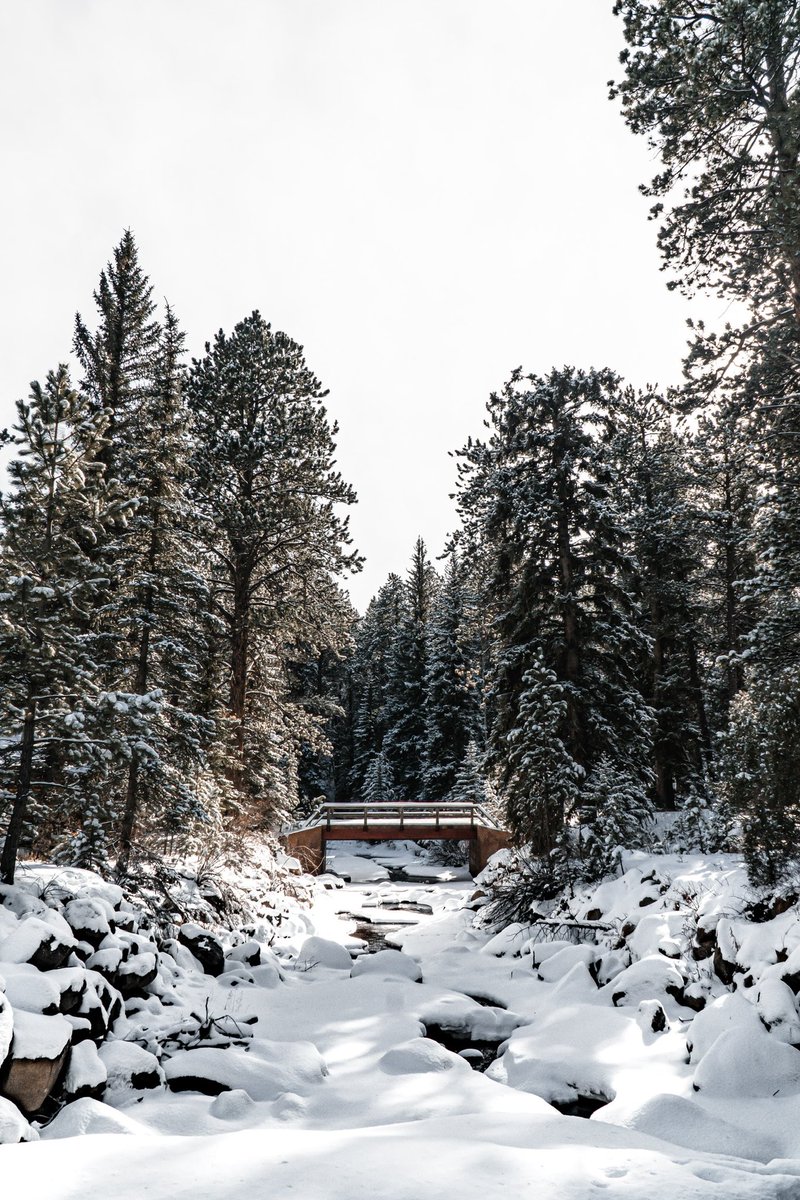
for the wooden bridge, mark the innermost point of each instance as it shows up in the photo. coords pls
(391, 822)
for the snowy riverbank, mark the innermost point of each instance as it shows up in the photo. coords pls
(332, 1091)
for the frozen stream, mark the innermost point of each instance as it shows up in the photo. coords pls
(340, 1095)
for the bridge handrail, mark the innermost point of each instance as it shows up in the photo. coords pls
(328, 812)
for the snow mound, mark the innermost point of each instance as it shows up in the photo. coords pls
(13, 1126)
(130, 1066)
(92, 1116)
(421, 1056)
(681, 1121)
(748, 1062)
(390, 964)
(322, 952)
(264, 1072)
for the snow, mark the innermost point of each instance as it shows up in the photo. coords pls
(334, 1083)
(37, 1037)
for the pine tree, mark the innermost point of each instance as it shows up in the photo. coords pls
(620, 818)
(540, 505)
(152, 645)
(657, 484)
(404, 740)
(51, 522)
(370, 671)
(266, 492)
(452, 702)
(378, 786)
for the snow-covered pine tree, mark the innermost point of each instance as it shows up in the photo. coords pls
(619, 816)
(370, 671)
(267, 495)
(52, 520)
(542, 778)
(404, 740)
(378, 786)
(452, 701)
(656, 491)
(540, 508)
(149, 615)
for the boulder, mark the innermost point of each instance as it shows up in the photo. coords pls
(130, 1067)
(39, 1051)
(265, 1072)
(88, 920)
(390, 964)
(30, 989)
(91, 1116)
(322, 952)
(745, 1062)
(204, 946)
(249, 954)
(86, 1073)
(420, 1056)
(37, 942)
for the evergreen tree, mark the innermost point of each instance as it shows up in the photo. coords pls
(378, 786)
(52, 520)
(153, 646)
(452, 703)
(372, 664)
(266, 493)
(404, 740)
(655, 469)
(541, 502)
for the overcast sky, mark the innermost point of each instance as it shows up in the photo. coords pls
(424, 193)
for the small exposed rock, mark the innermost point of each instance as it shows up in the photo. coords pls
(205, 948)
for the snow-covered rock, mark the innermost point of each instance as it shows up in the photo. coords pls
(421, 1055)
(322, 952)
(748, 1062)
(682, 1121)
(13, 1125)
(264, 1072)
(129, 1066)
(91, 1116)
(86, 1073)
(388, 963)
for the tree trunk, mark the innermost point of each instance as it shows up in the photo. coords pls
(8, 861)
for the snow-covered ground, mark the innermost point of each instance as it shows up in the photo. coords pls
(333, 1091)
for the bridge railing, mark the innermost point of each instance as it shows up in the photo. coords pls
(411, 813)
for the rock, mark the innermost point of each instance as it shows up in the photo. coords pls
(322, 952)
(265, 1072)
(420, 1056)
(390, 964)
(204, 946)
(34, 941)
(91, 1116)
(130, 1067)
(86, 1073)
(746, 1062)
(13, 1126)
(248, 953)
(39, 1051)
(88, 920)
(135, 973)
(30, 989)
(233, 1105)
(775, 1004)
(651, 1016)
(594, 914)
(723, 969)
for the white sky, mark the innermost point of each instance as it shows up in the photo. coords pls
(423, 193)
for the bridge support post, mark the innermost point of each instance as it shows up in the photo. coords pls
(484, 844)
(308, 847)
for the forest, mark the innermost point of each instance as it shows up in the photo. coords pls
(613, 631)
